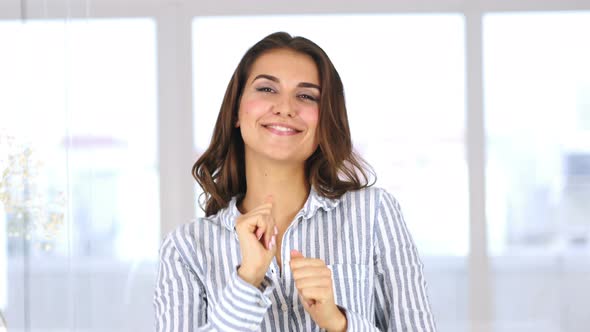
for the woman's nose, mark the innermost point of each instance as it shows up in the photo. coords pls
(284, 107)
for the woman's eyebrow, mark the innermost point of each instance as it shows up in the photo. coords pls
(275, 79)
(309, 85)
(268, 77)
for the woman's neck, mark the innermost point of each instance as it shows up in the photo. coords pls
(286, 184)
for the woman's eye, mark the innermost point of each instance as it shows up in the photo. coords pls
(264, 89)
(309, 97)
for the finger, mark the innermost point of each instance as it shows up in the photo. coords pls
(252, 223)
(248, 220)
(297, 263)
(264, 208)
(296, 254)
(312, 282)
(271, 227)
(273, 245)
(311, 272)
(272, 238)
(255, 225)
(260, 225)
(266, 237)
(318, 294)
(259, 232)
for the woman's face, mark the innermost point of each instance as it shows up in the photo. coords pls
(278, 114)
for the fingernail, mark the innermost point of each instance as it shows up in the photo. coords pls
(276, 230)
(260, 236)
(274, 241)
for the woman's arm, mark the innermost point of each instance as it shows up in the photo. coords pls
(401, 300)
(181, 302)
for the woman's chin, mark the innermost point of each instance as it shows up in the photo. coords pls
(284, 158)
(279, 155)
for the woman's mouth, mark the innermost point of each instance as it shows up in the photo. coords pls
(281, 130)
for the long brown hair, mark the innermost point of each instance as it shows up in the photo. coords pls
(332, 169)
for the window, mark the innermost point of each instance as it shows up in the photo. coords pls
(537, 84)
(537, 112)
(84, 209)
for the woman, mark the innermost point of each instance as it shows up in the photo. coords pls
(294, 237)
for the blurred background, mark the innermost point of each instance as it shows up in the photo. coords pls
(475, 114)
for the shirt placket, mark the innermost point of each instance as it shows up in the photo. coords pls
(285, 278)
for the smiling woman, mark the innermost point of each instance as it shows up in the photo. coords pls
(279, 113)
(275, 75)
(294, 236)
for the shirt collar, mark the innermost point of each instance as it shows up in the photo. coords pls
(313, 203)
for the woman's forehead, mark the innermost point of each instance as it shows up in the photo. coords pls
(286, 64)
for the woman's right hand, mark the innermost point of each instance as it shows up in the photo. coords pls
(257, 233)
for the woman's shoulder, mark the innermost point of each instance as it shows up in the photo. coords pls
(372, 193)
(372, 198)
(195, 226)
(192, 232)
(190, 241)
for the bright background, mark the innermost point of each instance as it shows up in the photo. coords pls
(476, 116)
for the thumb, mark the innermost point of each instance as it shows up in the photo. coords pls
(296, 254)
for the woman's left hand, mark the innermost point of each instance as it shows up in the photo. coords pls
(313, 280)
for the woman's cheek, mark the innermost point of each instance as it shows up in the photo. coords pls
(310, 115)
(253, 107)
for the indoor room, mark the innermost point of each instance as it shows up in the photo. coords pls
(473, 114)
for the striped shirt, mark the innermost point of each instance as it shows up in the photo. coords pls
(362, 237)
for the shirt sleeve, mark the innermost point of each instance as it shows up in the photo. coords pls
(181, 303)
(401, 299)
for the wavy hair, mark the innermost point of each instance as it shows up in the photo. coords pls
(333, 169)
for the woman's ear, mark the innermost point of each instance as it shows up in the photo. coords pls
(237, 125)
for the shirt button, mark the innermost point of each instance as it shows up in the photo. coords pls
(284, 308)
(261, 303)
